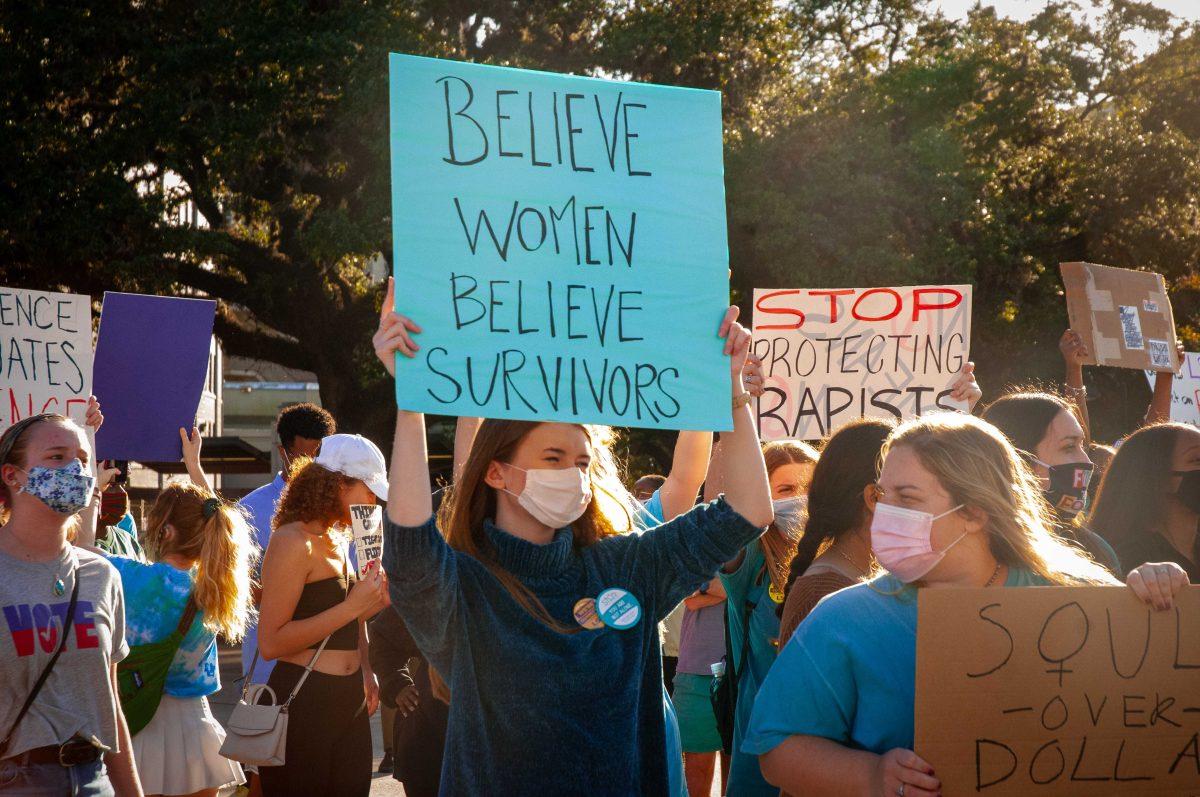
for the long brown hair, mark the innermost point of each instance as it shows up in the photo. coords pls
(1132, 501)
(470, 501)
(217, 537)
(778, 549)
(849, 463)
(978, 466)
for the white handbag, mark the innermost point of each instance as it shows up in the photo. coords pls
(257, 734)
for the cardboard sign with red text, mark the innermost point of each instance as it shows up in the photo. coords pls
(45, 354)
(1058, 690)
(831, 356)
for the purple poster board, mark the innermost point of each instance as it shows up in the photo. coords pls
(151, 361)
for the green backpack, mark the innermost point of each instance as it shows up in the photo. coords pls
(142, 675)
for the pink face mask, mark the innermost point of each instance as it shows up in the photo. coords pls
(901, 540)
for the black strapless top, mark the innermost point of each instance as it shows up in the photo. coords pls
(318, 596)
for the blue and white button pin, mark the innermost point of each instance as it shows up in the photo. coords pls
(618, 609)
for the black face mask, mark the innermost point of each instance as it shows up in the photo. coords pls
(1069, 486)
(1188, 493)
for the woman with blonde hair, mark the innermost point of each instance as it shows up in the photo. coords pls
(312, 621)
(64, 612)
(539, 613)
(954, 506)
(753, 584)
(197, 581)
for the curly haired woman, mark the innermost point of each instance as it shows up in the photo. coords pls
(312, 617)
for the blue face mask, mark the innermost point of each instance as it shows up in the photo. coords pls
(65, 490)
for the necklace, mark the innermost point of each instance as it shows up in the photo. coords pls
(846, 556)
(58, 587)
(992, 579)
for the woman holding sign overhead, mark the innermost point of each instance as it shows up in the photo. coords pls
(540, 614)
(312, 617)
(954, 506)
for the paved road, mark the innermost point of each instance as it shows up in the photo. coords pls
(224, 701)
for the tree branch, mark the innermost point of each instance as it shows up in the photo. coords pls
(245, 339)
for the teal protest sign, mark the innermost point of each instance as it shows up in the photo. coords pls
(561, 241)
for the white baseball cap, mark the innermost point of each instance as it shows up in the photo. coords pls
(357, 457)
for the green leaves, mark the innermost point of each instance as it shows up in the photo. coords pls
(869, 142)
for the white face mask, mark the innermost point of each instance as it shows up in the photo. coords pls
(556, 497)
(790, 516)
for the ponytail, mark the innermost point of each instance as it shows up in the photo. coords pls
(217, 537)
(222, 589)
(849, 462)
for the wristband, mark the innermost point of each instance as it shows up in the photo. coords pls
(741, 400)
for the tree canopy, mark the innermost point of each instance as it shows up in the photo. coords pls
(868, 142)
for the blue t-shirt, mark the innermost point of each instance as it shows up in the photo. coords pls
(849, 672)
(260, 509)
(746, 589)
(155, 597)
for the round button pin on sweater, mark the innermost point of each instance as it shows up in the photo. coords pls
(775, 593)
(585, 614)
(618, 609)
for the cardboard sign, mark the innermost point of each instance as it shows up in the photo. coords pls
(151, 361)
(45, 354)
(1123, 316)
(561, 240)
(366, 522)
(1185, 390)
(1063, 691)
(832, 356)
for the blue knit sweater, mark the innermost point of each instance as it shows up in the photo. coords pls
(538, 712)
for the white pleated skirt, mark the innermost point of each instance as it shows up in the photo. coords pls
(179, 751)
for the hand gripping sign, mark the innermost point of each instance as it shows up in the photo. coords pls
(1058, 690)
(561, 240)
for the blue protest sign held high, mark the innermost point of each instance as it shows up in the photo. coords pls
(561, 240)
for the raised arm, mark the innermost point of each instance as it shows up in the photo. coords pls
(688, 467)
(88, 518)
(421, 567)
(747, 488)
(714, 481)
(1074, 352)
(670, 561)
(1159, 410)
(409, 494)
(191, 457)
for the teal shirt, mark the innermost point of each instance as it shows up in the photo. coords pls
(849, 672)
(745, 588)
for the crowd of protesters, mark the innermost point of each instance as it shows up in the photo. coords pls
(511, 630)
